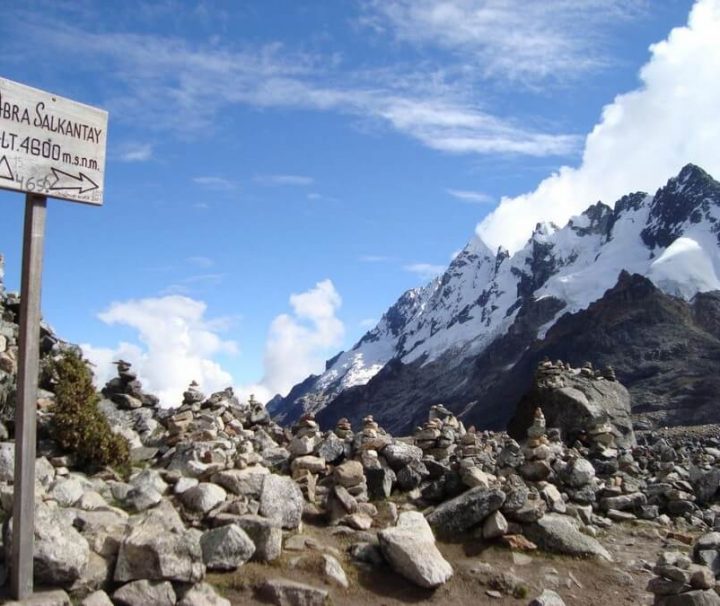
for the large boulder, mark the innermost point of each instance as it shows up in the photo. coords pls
(203, 497)
(399, 454)
(455, 517)
(226, 548)
(576, 403)
(282, 500)
(156, 546)
(410, 550)
(60, 553)
(143, 592)
(265, 533)
(560, 534)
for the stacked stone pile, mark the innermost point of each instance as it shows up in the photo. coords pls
(222, 484)
(680, 581)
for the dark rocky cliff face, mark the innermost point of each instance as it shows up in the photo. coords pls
(665, 350)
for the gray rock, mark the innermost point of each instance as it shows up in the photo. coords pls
(156, 546)
(350, 473)
(705, 483)
(265, 533)
(410, 550)
(55, 597)
(579, 473)
(282, 500)
(184, 484)
(243, 482)
(226, 548)
(97, 598)
(149, 478)
(495, 526)
(203, 594)
(331, 449)
(203, 497)
(411, 475)
(400, 454)
(7, 461)
(289, 593)
(333, 570)
(691, 598)
(577, 406)
(66, 491)
(144, 592)
(141, 499)
(547, 598)
(560, 534)
(380, 482)
(60, 553)
(458, 515)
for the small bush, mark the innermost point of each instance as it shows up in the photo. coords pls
(78, 426)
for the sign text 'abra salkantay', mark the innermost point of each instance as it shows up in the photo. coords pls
(51, 146)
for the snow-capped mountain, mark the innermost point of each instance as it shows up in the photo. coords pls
(483, 298)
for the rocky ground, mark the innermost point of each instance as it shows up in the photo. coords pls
(224, 506)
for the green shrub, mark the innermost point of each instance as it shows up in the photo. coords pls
(78, 426)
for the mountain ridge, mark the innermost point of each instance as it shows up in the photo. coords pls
(672, 238)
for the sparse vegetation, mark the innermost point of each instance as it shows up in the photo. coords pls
(78, 426)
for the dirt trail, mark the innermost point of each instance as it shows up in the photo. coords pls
(478, 569)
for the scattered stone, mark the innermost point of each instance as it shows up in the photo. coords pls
(410, 550)
(289, 593)
(226, 548)
(560, 534)
(144, 592)
(456, 516)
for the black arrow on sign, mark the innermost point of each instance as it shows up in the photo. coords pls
(83, 183)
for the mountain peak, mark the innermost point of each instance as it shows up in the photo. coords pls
(692, 173)
(692, 197)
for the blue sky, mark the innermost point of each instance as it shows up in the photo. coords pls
(340, 152)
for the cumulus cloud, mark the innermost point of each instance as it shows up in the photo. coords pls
(643, 137)
(177, 345)
(298, 343)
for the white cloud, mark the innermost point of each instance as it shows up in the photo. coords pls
(368, 323)
(215, 183)
(136, 152)
(274, 180)
(425, 271)
(170, 84)
(509, 39)
(471, 197)
(177, 345)
(298, 344)
(643, 138)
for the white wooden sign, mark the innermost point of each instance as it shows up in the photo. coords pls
(51, 146)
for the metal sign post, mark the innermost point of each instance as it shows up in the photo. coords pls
(49, 147)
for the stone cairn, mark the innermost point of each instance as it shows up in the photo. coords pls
(681, 579)
(222, 484)
(125, 390)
